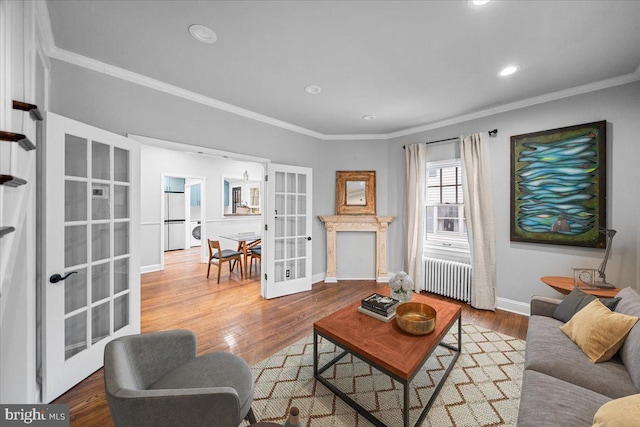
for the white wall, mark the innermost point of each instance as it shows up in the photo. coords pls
(157, 162)
(123, 107)
(520, 265)
(23, 74)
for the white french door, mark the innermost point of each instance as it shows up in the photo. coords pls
(287, 234)
(91, 256)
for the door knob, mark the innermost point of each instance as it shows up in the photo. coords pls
(57, 278)
(309, 238)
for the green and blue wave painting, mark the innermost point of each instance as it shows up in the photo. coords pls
(557, 186)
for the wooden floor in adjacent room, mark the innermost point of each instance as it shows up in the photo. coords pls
(231, 316)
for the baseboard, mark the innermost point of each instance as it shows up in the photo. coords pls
(149, 268)
(315, 278)
(513, 306)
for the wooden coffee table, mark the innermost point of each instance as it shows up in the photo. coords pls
(387, 348)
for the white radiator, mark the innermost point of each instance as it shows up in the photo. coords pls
(448, 278)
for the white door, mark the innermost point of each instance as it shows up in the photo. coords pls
(91, 236)
(287, 235)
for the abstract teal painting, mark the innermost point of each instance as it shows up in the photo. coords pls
(558, 186)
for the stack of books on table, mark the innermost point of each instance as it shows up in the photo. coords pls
(379, 306)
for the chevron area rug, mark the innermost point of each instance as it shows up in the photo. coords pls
(483, 389)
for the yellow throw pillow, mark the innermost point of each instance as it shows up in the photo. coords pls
(623, 412)
(598, 331)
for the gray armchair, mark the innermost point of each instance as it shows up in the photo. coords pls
(155, 379)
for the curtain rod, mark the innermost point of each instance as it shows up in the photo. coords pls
(492, 134)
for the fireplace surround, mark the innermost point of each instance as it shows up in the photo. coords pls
(365, 223)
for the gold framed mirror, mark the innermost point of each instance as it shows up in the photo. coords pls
(356, 192)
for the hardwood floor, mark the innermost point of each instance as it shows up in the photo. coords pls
(231, 316)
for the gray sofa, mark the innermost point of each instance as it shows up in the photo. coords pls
(561, 387)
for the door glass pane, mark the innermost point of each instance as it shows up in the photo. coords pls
(291, 204)
(100, 322)
(290, 272)
(302, 225)
(279, 182)
(291, 247)
(75, 334)
(75, 291)
(100, 241)
(302, 184)
(75, 201)
(302, 205)
(120, 238)
(279, 271)
(279, 223)
(120, 164)
(75, 245)
(99, 282)
(279, 249)
(280, 204)
(75, 156)
(120, 312)
(101, 162)
(300, 268)
(120, 201)
(291, 226)
(291, 183)
(100, 206)
(302, 247)
(120, 275)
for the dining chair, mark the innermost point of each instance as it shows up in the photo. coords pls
(217, 256)
(256, 253)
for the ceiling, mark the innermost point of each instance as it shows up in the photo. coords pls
(408, 63)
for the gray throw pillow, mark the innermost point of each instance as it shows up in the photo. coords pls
(576, 301)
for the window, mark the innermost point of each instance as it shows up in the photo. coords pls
(445, 225)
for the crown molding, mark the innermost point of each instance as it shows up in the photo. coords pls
(140, 79)
(130, 76)
(553, 96)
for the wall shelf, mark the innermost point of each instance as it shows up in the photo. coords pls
(11, 181)
(21, 139)
(31, 108)
(6, 230)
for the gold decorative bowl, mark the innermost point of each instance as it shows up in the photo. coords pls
(416, 318)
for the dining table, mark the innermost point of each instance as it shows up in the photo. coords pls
(246, 241)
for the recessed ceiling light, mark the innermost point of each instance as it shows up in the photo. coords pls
(476, 4)
(202, 33)
(313, 89)
(507, 71)
(368, 117)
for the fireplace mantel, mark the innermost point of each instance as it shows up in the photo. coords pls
(372, 223)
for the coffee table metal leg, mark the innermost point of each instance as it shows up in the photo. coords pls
(457, 350)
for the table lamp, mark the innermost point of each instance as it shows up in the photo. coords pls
(609, 233)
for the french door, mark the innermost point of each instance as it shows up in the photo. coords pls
(91, 293)
(287, 233)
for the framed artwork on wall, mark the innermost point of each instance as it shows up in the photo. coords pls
(558, 186)
(355, 192)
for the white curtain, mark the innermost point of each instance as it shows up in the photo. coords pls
(414, 194)
(478, 211)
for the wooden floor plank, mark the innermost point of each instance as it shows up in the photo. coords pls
(231, 316)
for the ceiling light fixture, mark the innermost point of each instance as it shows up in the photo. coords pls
(476, 4)
(368, 117)
(203, 33)
(313, 89)
(507, 71)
